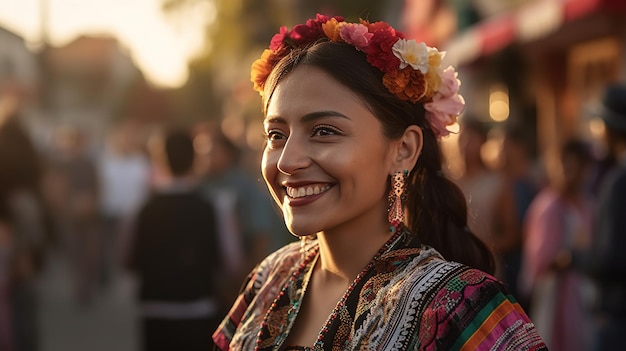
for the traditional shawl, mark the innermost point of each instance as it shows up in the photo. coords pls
(411, 299)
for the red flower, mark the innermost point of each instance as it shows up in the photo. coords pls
(379, 53)
(279, 38)
(311, 30)
(323, 18)
(376, 26)
(306, 33)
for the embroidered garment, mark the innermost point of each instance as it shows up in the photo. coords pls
(410, 299)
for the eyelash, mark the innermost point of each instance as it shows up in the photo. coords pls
(270, 135)
(325, 127)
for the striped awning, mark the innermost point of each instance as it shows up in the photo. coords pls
(527, 23)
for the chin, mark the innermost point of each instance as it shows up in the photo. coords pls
(301, 231)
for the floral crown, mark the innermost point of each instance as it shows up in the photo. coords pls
(412, 70)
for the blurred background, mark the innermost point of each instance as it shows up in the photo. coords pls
(86, 85)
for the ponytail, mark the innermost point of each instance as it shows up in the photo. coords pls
(440, 212)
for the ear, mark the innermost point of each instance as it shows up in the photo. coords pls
(407, 149)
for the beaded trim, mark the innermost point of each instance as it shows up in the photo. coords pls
(295, 303)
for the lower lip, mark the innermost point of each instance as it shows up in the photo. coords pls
(303, 201)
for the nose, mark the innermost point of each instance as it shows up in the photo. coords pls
(294, 156)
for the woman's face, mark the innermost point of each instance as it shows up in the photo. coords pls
(326, 161)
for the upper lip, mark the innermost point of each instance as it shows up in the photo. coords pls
(300, 184)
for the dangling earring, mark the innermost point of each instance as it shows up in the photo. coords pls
(396, 197)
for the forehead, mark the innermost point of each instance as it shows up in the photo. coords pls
(309, 88)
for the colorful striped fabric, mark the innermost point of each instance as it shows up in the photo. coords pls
(412, 299)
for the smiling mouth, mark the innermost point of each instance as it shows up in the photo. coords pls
(304, 191)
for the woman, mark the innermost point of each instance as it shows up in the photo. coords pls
(345, 110)
(557, 225)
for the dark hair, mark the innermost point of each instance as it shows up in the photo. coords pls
(578, 149)
(179, 151)
(437, 209)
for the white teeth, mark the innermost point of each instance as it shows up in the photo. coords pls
(306, 191)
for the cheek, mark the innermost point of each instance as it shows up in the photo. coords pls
(269, 170)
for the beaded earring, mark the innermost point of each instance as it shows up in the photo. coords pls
(396, 196)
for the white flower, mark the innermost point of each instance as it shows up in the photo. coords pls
(411, 53)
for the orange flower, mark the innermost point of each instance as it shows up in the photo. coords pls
(331, 29)
(417, 87)
(408, 84)
(396, 80)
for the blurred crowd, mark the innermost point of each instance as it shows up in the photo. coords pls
(178, 209)
(556, 225)
(174, 206)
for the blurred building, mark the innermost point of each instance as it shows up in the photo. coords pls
(86, 82)
(19, 74)
(90, 83)
(540, 63)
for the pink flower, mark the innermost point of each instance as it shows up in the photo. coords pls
(447, 104)
(356, 34)
(442, 112)
(449, 82)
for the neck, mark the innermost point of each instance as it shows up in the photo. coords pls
(345, 252)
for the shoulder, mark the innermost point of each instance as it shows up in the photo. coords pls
(427, 302)
(276, 267)
(446, 286)
(470, 308)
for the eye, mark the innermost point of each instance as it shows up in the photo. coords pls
(325, 130)
(274, 135)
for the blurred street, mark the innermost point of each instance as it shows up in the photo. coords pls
(108, 323)
(89, 91)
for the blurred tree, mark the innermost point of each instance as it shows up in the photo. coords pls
(234, 37)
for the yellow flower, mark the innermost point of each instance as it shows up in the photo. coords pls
(435, 57)
(434, 82)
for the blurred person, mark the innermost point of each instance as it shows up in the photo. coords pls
(124, 173)
(73, 187)
(558, 223)
(21, 192)
(246, 216)
(520, 183)
(491, 206)
(605, 260)
(175, 255)
(6, 260)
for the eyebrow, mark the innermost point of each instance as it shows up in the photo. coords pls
(308, 117)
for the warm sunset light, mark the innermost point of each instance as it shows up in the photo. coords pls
(160, 44)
